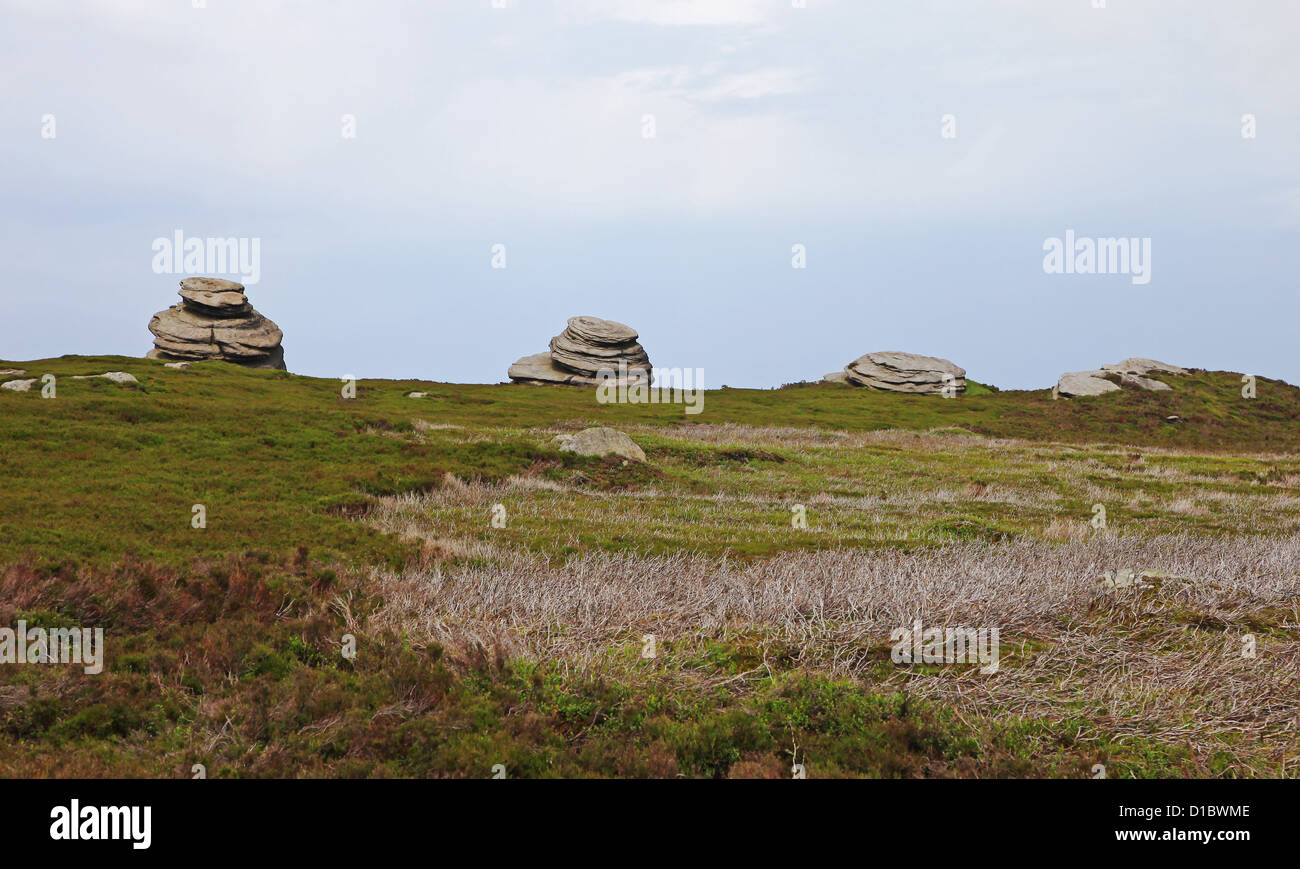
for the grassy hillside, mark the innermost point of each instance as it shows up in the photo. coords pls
(328, 516)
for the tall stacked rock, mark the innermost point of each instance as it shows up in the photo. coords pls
(894, 371)
(215, 321)
(587, 346)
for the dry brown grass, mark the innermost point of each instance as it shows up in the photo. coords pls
(1163, 662)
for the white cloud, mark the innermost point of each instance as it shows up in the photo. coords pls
(773, 81)
(675, 13)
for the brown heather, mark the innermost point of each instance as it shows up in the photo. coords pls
(1164, 662)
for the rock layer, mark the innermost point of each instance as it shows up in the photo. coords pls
(587, 346)
(895, 371)
(215, 321)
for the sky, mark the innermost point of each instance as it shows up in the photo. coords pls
(657, 163)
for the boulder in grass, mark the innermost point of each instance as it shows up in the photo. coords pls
(601, 441)
(115, 376)
(1077, 384)
(1140, 365)
(1131, 372)
(895, 371)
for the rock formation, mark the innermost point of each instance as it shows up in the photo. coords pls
(587, 346)
(601, 441)
(1111, 378)
(215, 321)
(895, 371)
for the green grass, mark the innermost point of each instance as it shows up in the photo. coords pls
(104, 470)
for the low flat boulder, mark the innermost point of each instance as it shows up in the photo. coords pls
(540, 368)
(1141, 382)
(896, 371)
(115, 376)
(601, 441)
(1130, 372)
(1077, 384)
(18, 385)
(1140, 365)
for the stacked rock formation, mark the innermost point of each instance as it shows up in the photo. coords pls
(215, 321)
(1111, 378)
(587, 346)
(895, 371)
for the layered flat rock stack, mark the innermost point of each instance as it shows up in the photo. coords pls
(215, 321)
(1111, 378)
(894, 371)
(587, 346)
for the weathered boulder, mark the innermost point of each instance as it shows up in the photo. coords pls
(1140, 365)
(895, 371)
(18, 385)
(1130, 372)
(1075, 384)
(601, 441)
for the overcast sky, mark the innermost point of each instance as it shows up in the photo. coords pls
(773, 126)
